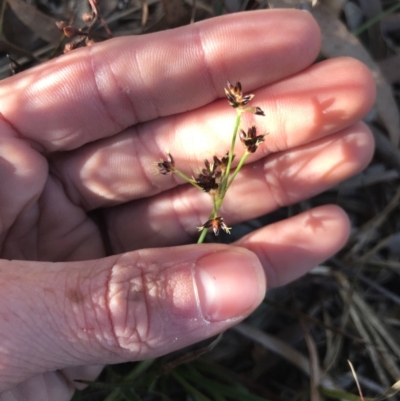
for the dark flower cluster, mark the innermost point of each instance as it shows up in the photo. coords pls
(209, 177)
(251, 140)
(217, 223)
(237, 100)
(235, 95)
(166, 166)
(215, 177)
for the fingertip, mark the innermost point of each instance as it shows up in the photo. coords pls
(362, 144)
(230, 284)
(362, 77)
(311, 32)
(353, 76)
(339, 225)
(324, 230)
(290, 248)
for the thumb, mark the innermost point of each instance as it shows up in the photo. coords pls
(132, 306)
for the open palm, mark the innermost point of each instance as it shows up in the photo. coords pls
(93, 267)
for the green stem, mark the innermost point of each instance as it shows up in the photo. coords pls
(216, 206)
(375, 19)
(187, 179)
(204, 233)
(3, 9)
(238, 167)
(231, 151)
(189, 388)
(225, 181)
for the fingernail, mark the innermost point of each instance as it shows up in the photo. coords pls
(230, 284)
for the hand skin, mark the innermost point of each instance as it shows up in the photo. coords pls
(83, 131)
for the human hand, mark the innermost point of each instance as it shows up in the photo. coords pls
(82, 133)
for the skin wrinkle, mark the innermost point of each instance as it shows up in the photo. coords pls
(281, 140)
(60, 184)
(60, 344)
(17, 134)
(140, 75)
(198, 40)
(155, 279)
(81, 220)
(109, 297)
(108, 327)
(69, 188)
(14, 132)
(74, 192)
(41, 165)
(100, 338)
(111, 76)
(134, 333)
(163, 288)
(9, 233)
(116, 127)
(44, 341)
(125, 92)
(24, 341)
(142, 138)
(196, 293)
(125, 319)
(147, 313)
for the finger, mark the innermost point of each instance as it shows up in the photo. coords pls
(290, 248)
(23, 174)
(98, 91)
(281, 179)
(127, 307)
(48, 386)
(51, 386)
(298, 110)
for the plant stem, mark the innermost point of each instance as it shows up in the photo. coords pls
(375, 19)
(187, 179)
(238, 167)
(225, 181)
(231, 151)
(204, 232)
(188, 387)
(217, 204)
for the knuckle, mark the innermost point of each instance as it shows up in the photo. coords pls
(128, 294)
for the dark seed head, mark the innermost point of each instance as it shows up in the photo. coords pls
(216, 224)
(235, 95)
(259, 112)
(166, 166)
(250, 139)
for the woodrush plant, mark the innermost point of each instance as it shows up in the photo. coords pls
(216, 177)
